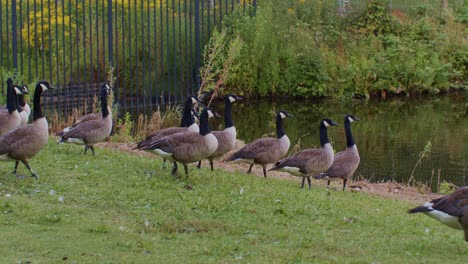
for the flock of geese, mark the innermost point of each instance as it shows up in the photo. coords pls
(191, 143)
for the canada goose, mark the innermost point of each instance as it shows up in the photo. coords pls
(94, 131)
(227, 137)
(11, 118)
(85, 118)
(346, 162)
(266, 150)
(308, 162)
(451, 210)
(23, 103)
(186, 147)
(187, 123)
(19, 97)
(26, 141)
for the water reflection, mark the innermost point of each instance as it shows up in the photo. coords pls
(390, 135)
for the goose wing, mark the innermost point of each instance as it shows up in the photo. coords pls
(455, 204)
(344, 164)
(159, 134)
(255, 148)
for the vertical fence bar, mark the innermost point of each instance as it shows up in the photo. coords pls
(70, 42)
(136, 50)
(174, 52)
(192, 71)
(156, 92)
(77, 38)
(255, 7)
(109, 33)
(103, 45)
(83, 26)
(56, 44)
(8, 37)
(179, 39)
(130, 45)
(210, 6)
(14, 36)
(42, 40)
(161, 49)
(186, 57)
(98, 55)
(197, 43)
(220, 10)
(50, 42)
(142, 87)
(35, 40)
(63, 44)
(21, 69)
(1, 48)
(168, 42)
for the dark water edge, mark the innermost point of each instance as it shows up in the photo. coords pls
(390, 135)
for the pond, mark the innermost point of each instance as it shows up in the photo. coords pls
(390, 136)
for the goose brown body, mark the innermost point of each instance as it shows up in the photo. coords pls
(451, 210)
(11, 118)
(267, 150)
(346, 162)
(227, 137)
(93, 131)
(308, 162)
(185, 147)
(24, 142)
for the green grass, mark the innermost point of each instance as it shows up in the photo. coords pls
(120, 208)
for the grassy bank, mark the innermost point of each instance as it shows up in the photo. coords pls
(117, 207)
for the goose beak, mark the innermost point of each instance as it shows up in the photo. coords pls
(356, 119)
(216, 114)
(52, 87)
(238, 98)
(289, 115)
(333, 123)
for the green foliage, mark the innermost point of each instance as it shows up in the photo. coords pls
(124, 128)
(289, 48)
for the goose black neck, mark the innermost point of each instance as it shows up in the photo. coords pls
(204, 125)
(187, 118)
(11, 100)
(228, 122)
(104, 109)
(22, 102)
(323, 135)
(349, 135)
(279, 127)
(37, 111)
(18, 105)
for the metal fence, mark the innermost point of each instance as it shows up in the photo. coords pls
(153, 46)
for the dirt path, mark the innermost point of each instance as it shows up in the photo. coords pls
(390, 189)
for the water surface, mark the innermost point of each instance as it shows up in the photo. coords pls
(390, 135)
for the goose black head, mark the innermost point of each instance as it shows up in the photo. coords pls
(105, 89)
(350, 118)
(24, 89)
(209, 112)
(326, 122)
(44, 86)
(195, 116)
(232, 98)
(18, 90)
(283, 114)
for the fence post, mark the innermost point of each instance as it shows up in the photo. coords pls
(197, 44)
(14, 35)
(109, 33)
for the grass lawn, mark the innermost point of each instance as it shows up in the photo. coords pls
(119, 208)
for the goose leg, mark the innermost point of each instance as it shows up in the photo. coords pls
(303, 181)
(33, 174)
(309, 182)
(250, 169)
(211, 164)
(328, 185)
(92, 149)
(199, 164)
(186, 170)
(85, 149)
(344, 183)
(16, 168)
(174, 171)
(264, 171)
